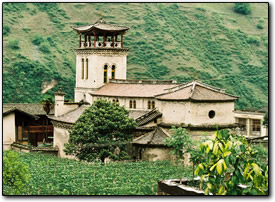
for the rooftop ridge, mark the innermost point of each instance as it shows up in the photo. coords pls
(136, 81)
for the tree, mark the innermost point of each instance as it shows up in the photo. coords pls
(230, 162)
(103, 130)
(15, 173)
(242, 8)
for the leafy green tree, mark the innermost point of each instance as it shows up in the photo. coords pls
(15, 173)
(242, 8)
(103, 130)
(37, 39)
(230, 162)
(182, 144)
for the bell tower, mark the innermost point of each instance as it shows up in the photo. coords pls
(100, 57)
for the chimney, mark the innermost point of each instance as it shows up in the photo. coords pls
(59, 102)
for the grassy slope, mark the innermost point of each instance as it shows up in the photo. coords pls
(166, 41)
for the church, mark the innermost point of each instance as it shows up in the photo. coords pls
(156, 105)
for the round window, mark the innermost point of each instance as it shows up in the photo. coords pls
(211, 114)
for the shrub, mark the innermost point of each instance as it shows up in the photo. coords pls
(44, 47)
(230, 161)
(253, 40)
(6, 30)
(15, 173)
(242, 8)
(13, 44)
(260, 24)
(37, 39)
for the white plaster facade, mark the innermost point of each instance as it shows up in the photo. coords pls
(197, 113)
(97, 59)
(9, 132)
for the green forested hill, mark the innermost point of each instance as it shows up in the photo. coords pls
(166, 41)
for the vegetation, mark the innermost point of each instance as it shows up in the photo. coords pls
(213, 42)
(14, 44)
(51, 175)
(243, 8)
(266, 119)
(6, 30)
(230, 161)
(102, 131)
(15, 174)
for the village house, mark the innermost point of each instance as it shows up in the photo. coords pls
(26, 124)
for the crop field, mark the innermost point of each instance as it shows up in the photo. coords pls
(51, 175)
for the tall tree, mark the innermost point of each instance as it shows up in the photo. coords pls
(103, 130)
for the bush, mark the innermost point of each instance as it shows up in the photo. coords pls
(242, 8)
(253, 40)
(260, 24)
(44, 47)
(230, 161)
(6, 30)
(15, 174)
(13, 44)
(37, 39)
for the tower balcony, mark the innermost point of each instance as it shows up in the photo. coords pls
(99, 44)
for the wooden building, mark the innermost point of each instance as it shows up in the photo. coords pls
(26, 124)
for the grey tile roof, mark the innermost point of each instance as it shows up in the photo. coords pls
(149, 116)
(155, 137)
(71, 116)
(31, 108)
(8, 110)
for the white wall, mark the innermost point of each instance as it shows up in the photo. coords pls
(9, 132)
(196, 113)
(61, 136)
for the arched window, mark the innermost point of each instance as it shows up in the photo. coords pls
(114, 100)
(113, 71)
(82, 68)
(153, 104)
(149, 104)
(131, 104)
(87, 66)
(105, 73)
(117, 101)
(134, 104)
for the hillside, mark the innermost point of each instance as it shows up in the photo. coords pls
(166, 41)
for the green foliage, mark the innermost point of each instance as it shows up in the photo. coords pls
(14, 7)
(230, 161)
(181, 142)
(6, 30)
(13, 44)
(260, 24)
(37, 39)
(51, 175)
(26, 74)
(45, 47)
(242, 8)
(101, 131)
(15, 173)
(254, 40)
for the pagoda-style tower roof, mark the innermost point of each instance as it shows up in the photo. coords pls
(101, 28)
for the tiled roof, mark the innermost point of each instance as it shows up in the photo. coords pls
(137, 113)
(31, 108)
(101, 25)
(8, 110)
(155, 137)
(196, 91)
(71, 116)
(149, 116)
(143, 90)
